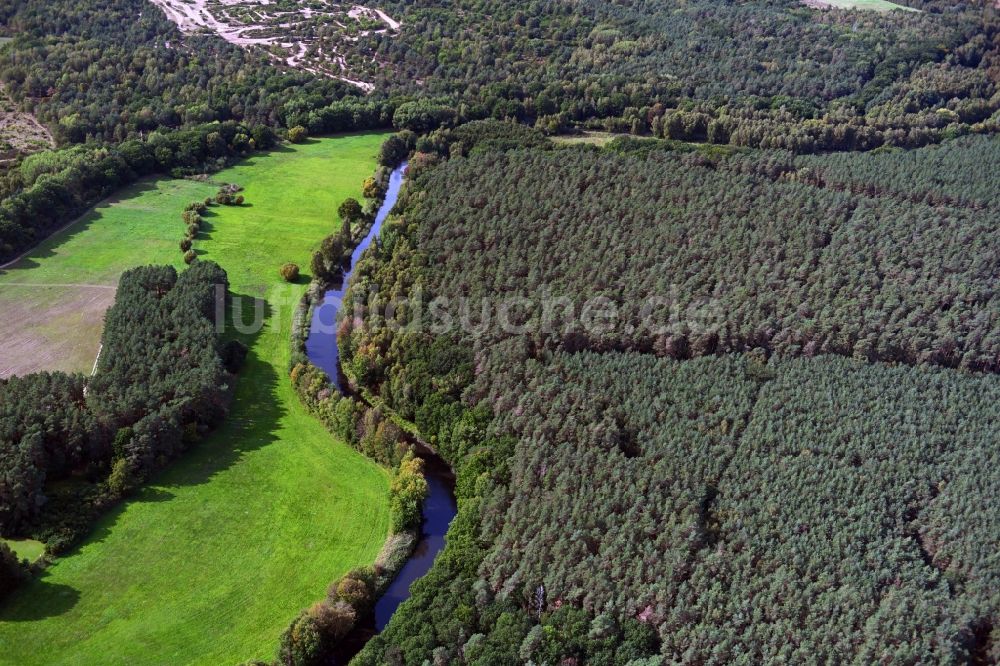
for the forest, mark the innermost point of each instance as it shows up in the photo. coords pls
(951, 173)
(71, 446)
(112, 70)
(788, 481)
(766, 74)
(92, 72)
(750, 511)
(796, 79)
(692, 256)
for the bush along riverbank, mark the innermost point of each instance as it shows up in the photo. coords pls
(333, 258)
(338, 626)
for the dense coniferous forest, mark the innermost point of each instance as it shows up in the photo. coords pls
(779, 504)
(749, 511)
(691, 257)
(72, 445)
(951, 173)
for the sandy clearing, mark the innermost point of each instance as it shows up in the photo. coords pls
(871, 5)
(214, 16)
(395, 24)
(20, 133)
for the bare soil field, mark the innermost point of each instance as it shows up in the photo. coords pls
(49, 312)
(54, 297)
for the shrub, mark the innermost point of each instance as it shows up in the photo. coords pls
(121, 479)
(334, 620)
(298, 134)
(226, 195)
(350, 209)
(352, 591)
(185, 244)
(189, 256)
(302, 642)
(407, 493)
(290, 272)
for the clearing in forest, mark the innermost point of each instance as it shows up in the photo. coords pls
(210, 562)
(20, 133)
(26, 549)
(875, 5)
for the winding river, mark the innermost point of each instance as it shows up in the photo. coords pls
(439, 507)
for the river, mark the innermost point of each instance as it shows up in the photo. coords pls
(439, 507)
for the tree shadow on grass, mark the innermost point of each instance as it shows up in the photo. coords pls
(205, 229)
(254, 415)
(37, 600)
(251, 424)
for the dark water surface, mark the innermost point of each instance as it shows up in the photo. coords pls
(439, 508)
(321, 345)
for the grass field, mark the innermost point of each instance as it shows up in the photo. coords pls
(211, 561)
(26, 549)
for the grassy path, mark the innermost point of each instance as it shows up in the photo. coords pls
(212, 560)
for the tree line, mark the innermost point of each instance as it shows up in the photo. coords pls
(48, 190)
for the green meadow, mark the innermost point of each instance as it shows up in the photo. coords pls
(26, 549)
(210, 562)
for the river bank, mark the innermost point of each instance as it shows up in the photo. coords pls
(317, 339)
